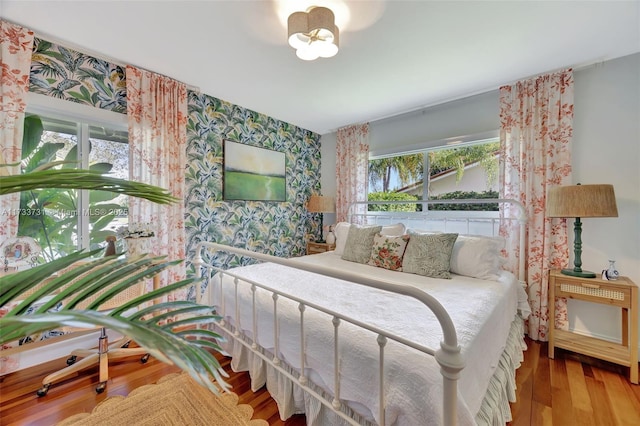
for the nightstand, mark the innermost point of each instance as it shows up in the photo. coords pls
(315, 248)
(622, 293)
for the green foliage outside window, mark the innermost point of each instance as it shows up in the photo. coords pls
(50, 216)
(410, 207)
(460, 195)
(392, 196)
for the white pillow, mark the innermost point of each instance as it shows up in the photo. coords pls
(393, 230)
(341, 230)
(422, 232)
(477, 256)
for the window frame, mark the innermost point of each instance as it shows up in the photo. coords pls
(85, 116)
(427, 147)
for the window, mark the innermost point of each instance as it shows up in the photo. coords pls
(469, 170)
(63, 221)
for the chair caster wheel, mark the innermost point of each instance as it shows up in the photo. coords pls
(101, 387)
(71, 360)
(43, 390)
(144, 358)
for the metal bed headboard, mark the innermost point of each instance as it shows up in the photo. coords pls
(461, 221)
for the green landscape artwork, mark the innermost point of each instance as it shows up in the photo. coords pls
(253, 174)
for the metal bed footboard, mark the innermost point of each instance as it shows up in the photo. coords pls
(448, 355)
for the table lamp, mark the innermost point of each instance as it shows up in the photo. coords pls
(580, 201)
(321, 204)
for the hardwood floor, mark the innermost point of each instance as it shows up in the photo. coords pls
(573, 390)
(570, 390)
(19, 404)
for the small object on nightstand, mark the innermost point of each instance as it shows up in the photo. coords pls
(611, 273)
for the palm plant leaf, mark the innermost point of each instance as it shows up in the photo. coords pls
(82, 179)
(99, 281)
(70, 290)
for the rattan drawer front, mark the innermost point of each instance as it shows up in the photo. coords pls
(594, 291)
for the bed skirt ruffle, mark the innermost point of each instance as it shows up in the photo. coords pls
(292, 399)
(495, 409)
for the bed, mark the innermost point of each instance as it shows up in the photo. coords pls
(351, 342)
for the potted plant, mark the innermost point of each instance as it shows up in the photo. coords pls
(181, 342)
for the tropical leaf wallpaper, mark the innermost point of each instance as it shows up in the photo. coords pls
(73, 76)
(276, 228)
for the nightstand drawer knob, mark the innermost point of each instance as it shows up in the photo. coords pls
(590, 285)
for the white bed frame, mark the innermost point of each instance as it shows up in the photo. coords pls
(448, 355)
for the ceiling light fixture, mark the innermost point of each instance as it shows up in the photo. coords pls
(313, 33)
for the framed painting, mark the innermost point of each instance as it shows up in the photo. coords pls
(253, 174)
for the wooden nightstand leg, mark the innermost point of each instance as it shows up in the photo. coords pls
(633, 337)
(625, 327)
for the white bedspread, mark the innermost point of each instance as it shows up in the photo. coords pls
(482, 312)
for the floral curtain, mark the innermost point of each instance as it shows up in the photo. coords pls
(157, 114)
(536, 127)
(16, 44)
(352, 167)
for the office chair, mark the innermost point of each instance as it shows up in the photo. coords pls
(105, 352)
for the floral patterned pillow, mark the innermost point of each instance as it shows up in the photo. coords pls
(387, 251)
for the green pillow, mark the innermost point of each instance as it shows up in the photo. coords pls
(359, 243)
(429, 255)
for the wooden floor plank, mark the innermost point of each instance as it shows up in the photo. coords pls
(580, 398)
(602, 415)
(625, 410)
(542, 388)
(561, 403)
(568, 390)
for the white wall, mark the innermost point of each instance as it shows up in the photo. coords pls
(430, 127)
(606, 149)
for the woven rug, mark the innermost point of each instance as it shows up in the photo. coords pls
(175, 400)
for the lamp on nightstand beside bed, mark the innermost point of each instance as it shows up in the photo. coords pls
(580, 201)
(321, 204)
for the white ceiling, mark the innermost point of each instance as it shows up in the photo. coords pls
(395, 56)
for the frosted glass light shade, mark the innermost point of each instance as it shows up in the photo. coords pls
(313, 33)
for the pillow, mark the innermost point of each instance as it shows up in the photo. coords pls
(396, 229)
(429, 255)
(387, 251)
(422, 232)
(359, 243)
(342, 231)
(477, 256)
